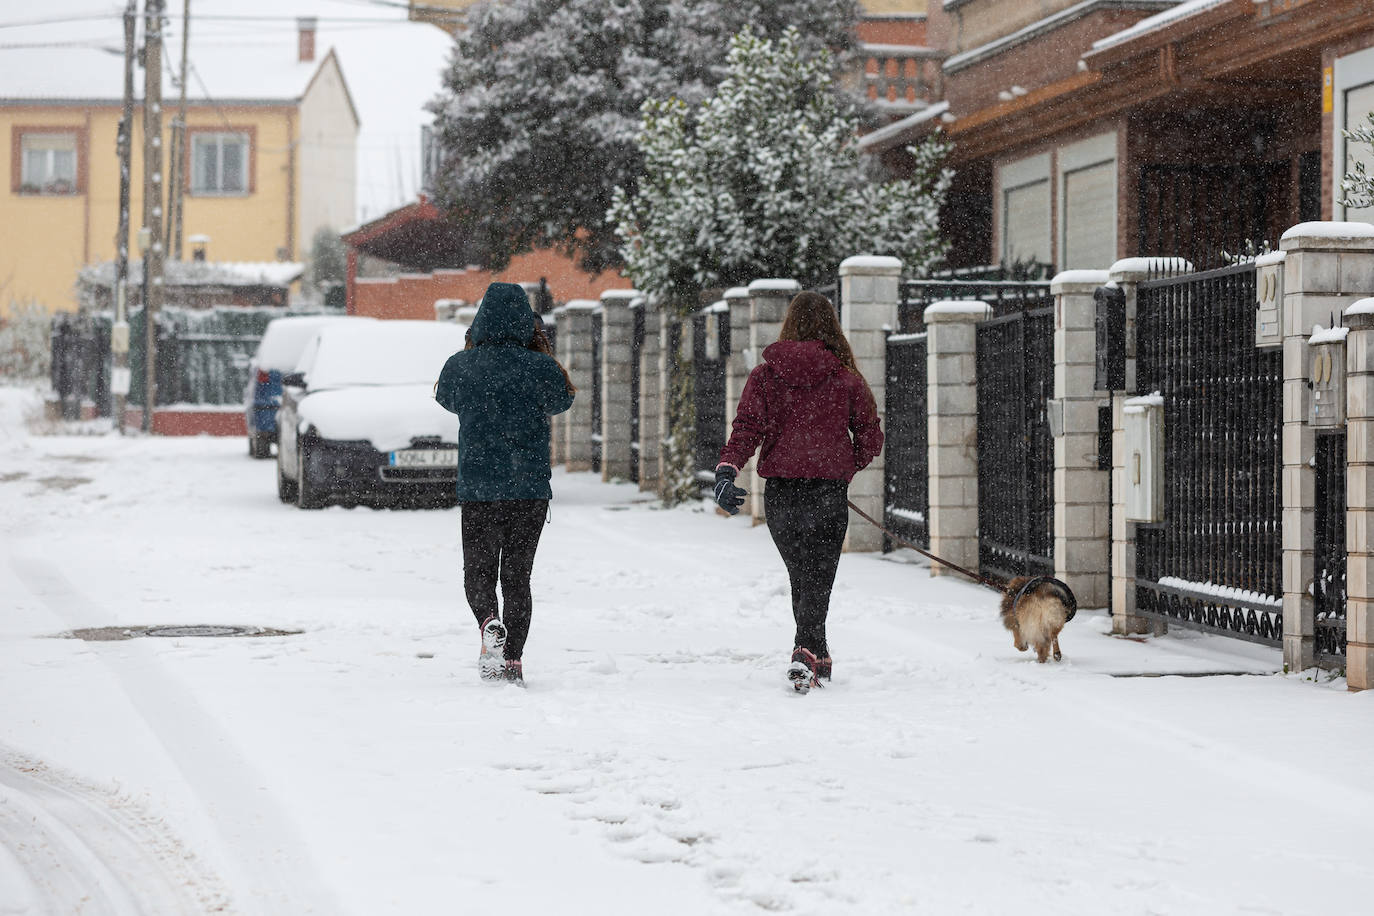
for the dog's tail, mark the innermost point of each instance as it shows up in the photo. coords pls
(1027, 585)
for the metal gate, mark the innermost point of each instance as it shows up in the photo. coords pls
(906, 472)
(1015, 366)
(1328, 580)
(636, 348)
(1215, 561)
(595, 431)
(710, 346)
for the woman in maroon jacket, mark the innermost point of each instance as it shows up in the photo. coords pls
(812, 417)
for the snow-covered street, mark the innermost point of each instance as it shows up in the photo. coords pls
(657, 762)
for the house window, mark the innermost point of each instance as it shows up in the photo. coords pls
(219, 163)
(1353, 98)
(47, 163)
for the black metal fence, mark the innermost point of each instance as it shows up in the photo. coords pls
(595, 431)
(1215, 561)
(1006, 297)
(710, 347)
(1015, 365)
(1328, 581)
(906, 482)
(636, 349)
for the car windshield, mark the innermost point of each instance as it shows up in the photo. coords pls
(285, 339)
(380, 353)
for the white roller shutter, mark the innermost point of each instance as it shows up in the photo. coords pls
(1359, 102)
(1090, 217)
(1026, 223)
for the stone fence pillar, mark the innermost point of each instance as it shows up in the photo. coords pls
(1359, 495)
(1128, 275)
(768, 301)
(617, 350)
(1327, 266)
(869, 291)
(650, 398)
(1082, 499)
(952, 404)
(575, 352)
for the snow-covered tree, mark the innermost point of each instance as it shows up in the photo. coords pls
(765, 179)
(540, 106)
(25, 341)
(1358, 184)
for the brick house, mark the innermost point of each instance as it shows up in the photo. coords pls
(1092, 130)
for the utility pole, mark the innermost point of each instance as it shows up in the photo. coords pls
(119, 332)
(152, 197)
(176, 195)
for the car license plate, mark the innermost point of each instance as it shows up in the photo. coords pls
(425, 458)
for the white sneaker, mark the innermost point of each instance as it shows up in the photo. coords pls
(491, 664)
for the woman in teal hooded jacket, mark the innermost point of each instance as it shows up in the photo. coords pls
(503, 387)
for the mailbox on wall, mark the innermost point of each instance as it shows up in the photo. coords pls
(1143, 419)
(1326, 372)
(1269, 293)
(1109, 321)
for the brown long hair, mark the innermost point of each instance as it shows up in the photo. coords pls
(540, 344)
(810, 316)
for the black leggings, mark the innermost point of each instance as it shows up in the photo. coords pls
(499, 541)
(808, 519)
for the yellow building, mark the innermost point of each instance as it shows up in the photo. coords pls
(270, 157)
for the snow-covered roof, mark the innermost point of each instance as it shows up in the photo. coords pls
(897, 130)
(246, 51)
(1158, 21)
(204, 273)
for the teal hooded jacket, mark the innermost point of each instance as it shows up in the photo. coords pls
(503, 394)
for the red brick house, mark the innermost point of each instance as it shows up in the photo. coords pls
(1087, 131)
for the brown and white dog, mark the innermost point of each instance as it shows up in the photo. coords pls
(1035, 609)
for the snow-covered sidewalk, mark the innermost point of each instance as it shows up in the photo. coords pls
(657, 763)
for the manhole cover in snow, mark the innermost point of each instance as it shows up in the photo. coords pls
(110, 634)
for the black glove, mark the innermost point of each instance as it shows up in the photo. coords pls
(728, 496)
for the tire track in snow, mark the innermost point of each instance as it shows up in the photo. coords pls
(275, 872)
(74, 848)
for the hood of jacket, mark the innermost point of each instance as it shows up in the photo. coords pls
(802, 363)
(504, 316)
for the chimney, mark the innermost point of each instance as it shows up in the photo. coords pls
(305, 28)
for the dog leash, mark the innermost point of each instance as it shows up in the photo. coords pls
(981, 580)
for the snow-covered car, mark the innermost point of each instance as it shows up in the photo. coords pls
(358, 421)
(277, 354)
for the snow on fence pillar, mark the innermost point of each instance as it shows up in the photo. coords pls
(737, 366)
(650, 399)
(1326, 267)
(1359, 495)
(868, 289)
(575, 343)
(952, 407)
(1082, 498)
(617, 349)
(768, 301)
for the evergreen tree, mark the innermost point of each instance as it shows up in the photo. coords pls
(540, 106)
(765, 179)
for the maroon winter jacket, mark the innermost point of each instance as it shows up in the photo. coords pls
(813, 417)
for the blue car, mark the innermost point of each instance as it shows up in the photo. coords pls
(281, 346)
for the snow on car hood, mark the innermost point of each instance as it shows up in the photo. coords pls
(388, 416)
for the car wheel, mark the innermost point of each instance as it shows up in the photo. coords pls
(307, 496)
(259, 447)
(286, 487)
